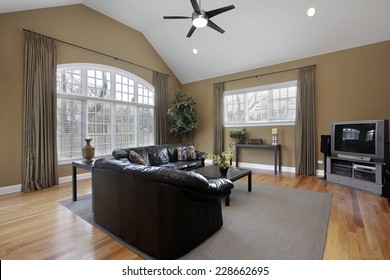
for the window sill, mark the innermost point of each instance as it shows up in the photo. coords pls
(287, 123)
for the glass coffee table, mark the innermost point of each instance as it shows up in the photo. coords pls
(233, 174)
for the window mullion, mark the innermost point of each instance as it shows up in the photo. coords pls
(270, 105)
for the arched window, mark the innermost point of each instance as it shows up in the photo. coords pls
(113, 107)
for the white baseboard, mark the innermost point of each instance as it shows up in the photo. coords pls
(80, 176)
(87, 175)
(258, 166)
(10, 189)
(61, 180)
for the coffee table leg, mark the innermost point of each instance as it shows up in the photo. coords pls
(74, 183)
(250, 182)
(227, 200)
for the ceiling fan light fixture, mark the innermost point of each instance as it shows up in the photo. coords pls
(199, 20)
(311, 12)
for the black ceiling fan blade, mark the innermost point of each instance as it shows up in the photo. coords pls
(215, 27)
(215, 12)
(195, 6)
(191, 31)
(175, 17)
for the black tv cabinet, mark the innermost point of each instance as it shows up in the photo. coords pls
(359, 174)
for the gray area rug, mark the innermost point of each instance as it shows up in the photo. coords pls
(269, 223)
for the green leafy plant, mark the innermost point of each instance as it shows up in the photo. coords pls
(223, 159)
(183, 114)
(239, 134)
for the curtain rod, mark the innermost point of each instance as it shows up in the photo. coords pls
(94, 51)
(265, 74)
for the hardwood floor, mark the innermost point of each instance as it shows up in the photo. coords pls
(35, 226)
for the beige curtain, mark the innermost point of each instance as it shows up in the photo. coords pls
(160, 83)
(218, 118)
(305, 157)
(39, 159)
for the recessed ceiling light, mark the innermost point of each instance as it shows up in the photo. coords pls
(311, 12)
(195, 51)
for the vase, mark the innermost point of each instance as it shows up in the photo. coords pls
(223, 171)
(88, 151)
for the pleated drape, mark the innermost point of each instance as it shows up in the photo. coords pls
(160, 83)
(305, 154)
(39, 136)
(218, 118)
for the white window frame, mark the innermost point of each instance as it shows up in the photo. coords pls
(83, 97)
(245, 92)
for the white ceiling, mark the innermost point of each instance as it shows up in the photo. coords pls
(258, 32)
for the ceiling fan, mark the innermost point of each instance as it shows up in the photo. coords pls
(201, 18)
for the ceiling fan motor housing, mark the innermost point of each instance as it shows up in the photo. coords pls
(199, 19)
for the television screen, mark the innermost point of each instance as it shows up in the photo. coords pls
(355, 138)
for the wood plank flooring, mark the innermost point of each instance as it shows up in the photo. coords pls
(35, 226)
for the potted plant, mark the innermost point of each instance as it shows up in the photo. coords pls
(238, 134)
(223, 159)
(183, 114)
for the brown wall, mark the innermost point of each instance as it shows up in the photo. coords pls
(350, 85)
(353, 84)
(76, 24)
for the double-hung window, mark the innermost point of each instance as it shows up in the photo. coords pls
(112, 107)
(269, 104)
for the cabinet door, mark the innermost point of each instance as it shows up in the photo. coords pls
(339, 179)
(367, 186)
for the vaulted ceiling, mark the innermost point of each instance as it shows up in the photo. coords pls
(258, 32)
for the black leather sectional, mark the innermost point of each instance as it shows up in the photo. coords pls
(162, 155)
(163, 211)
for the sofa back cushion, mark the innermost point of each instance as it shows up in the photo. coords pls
(172, 151)
(135, 157)
(158, 155)
(186, 152)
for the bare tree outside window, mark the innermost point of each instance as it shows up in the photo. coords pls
(270, 103)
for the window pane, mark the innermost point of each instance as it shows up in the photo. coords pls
(145, 126)
(145, 96)
(125, 126)
(99, 126)
(234, 108)
(275, 102)
(69, 136)
(124, 88)
(69, 81)
(99, 84)
(258, 106)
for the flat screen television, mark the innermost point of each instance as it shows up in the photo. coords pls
(361, 140)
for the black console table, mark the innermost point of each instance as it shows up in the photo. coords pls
(83, 165)
(277, 153)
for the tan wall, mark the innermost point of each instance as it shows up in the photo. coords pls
(352, 84)
(76, 24)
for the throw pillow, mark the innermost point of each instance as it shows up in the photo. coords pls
(186, 153)
(136, 158)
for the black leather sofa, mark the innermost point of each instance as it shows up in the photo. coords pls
(165, 212)
(162, 155)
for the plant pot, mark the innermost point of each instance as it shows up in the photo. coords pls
(223, 171)
(88, 151)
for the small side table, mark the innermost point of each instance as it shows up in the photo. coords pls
(83, 165)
